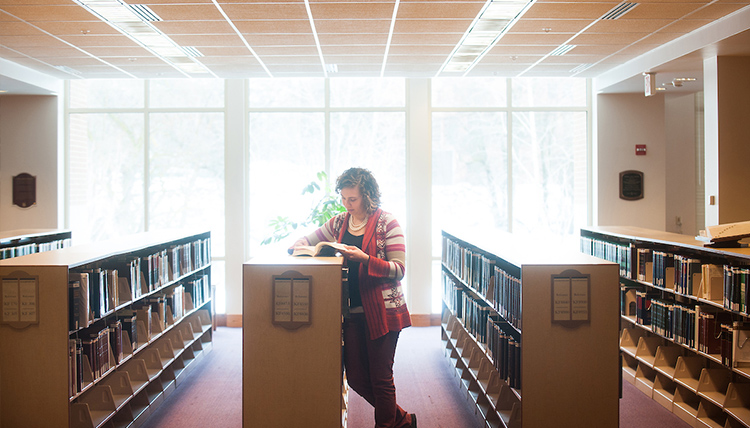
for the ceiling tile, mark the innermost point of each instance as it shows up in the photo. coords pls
(554, 25)
(662, 10)
(187, 12)
(439, 10)
(369, 10)
(426, 39)
(534, 39)
(198, 40)
(607, 39)
(353, 39)
(67, 12)
(286, 50)
(257, 26)
(442, 50)
(625, 25)
(265, 11)
(442, 26)
(280, 40)
(572, 10)
(194, 27)
(329, 26)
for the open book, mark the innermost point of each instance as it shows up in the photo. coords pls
(725, 232)
(323, 249)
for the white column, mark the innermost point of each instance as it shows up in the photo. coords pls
(234, 192)
(419, 197)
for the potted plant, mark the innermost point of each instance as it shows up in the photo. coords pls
(327, 205)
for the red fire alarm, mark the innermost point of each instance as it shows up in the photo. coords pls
(640, 150)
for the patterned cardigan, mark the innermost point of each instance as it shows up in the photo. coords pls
(380, 281)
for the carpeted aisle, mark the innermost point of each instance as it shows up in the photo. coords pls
(211, 395)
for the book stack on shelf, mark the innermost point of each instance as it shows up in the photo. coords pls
(521, 322)
(684, 322)
(16, 243)
(114, 327)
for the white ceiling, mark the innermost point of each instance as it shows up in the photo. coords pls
(275, 38)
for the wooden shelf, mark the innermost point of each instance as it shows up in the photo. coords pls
(705, 390)
(498, 295)
(20, 242)
(135, 382)
(293, 361)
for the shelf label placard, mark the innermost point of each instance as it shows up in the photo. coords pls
(571, 303)
(292, 297)
(19, 300)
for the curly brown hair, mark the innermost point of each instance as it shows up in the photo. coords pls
(365, 182)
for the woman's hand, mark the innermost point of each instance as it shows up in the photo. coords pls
(354, 254)
(302, 242)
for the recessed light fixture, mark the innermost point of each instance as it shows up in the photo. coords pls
(562, 50)
(492, 22)
(135, 21)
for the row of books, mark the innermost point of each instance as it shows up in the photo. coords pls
(470, 311)
(96, 292)
(619, 253)
(97, 350)
(92, 355)
(504, 350)
(703, 328)
(199, 289)
(472, 267)
(735, 282)
(495, 284)
(190, 256)
(506, 296)
(680, 273)
(674, 321)
(22, 250)
(735, 344)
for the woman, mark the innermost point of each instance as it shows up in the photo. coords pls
(375, 255)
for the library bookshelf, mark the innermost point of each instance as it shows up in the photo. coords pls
(106, 356)
(19, 242)
(684, 321)
(292, 368)
(530, 331)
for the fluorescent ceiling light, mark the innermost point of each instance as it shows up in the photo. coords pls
(135, 21)
(492, 22)
(562, 50)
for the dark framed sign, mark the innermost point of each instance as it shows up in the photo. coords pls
(292, 297)
(631, 185)
(24, 190)
(571, 301)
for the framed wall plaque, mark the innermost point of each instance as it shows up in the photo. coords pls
(24, 190)
(631, 185)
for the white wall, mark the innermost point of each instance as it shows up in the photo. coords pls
(29, 137)
(624, 120)
(680, 166)
(727, 111)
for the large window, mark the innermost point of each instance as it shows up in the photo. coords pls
(147, 155)
(299, 127)
(508, 155)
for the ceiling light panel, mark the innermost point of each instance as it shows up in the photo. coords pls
(492, 22)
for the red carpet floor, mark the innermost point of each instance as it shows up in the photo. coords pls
(211, 395)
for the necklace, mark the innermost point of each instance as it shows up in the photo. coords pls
(356, 227)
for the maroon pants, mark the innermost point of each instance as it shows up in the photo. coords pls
(369, 371)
